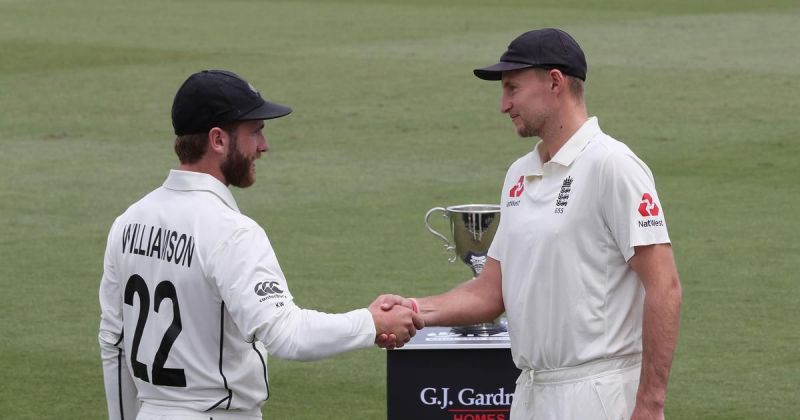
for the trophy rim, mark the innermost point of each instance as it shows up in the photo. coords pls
(474, 208)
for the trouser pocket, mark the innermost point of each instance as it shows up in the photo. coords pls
(617, 393)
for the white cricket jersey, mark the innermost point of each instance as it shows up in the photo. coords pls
(567, 230)
(192, 294)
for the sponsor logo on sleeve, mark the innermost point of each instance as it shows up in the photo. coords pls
(649, 208)
(268, 290)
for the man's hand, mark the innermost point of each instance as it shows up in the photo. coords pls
(396, 320)
(387, 302)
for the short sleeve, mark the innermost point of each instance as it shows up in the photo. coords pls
(498, 247)
(631, 207)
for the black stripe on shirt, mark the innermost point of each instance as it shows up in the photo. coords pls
(263, 365)
(224, 379)
(119, 382)
(121, 335)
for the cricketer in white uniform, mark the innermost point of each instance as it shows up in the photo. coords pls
(192, 295)
(567, 230)
(581, 261)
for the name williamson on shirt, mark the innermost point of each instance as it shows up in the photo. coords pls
(161, 243)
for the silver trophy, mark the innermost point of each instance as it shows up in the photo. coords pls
(472, 227)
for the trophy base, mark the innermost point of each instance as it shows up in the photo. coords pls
(485, 328)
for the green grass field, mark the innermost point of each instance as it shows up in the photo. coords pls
(388, 122)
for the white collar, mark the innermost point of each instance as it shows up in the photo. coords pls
(199, 181)
(568, 152)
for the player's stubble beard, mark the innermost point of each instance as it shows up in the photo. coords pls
(237, 168)
(532, 123)
(525, 125)
(527, 129)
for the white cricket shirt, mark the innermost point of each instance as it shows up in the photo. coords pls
(191, 289)
(567, 229)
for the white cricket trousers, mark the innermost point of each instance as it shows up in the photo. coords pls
(157, 412)
(600, 390)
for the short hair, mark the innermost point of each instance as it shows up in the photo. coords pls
(574, 84)
(190, 148)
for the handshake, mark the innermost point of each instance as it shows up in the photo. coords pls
(397, 319)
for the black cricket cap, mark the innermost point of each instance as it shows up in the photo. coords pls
(542, 48)
(210, 98)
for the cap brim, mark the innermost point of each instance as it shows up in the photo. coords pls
(495, 72)
(267, 111)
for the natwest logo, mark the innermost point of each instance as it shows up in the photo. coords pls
(648, 206)
(518, 188)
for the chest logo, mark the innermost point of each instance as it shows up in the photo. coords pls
(563, 195)
(518, 188)
(648, 206)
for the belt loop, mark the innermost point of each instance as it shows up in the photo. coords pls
(525, 378)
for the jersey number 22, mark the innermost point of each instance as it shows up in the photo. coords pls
(165, 289)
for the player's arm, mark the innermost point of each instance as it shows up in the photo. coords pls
(655, 266)
(257, 296)
(120, 389)
(477, 300)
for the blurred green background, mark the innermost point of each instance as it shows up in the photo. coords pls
(389, 121)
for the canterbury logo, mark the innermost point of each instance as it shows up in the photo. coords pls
(518, 188)
(267, 288)
(648, 206)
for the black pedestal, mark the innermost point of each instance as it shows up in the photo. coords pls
(440, 375)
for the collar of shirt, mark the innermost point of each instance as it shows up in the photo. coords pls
(198, 181)
(568, 152)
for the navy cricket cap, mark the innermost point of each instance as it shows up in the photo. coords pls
(210, 98)
(542, 48)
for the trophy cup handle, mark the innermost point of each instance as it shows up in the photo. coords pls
(448, 246)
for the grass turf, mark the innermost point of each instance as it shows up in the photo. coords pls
(389, 122)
